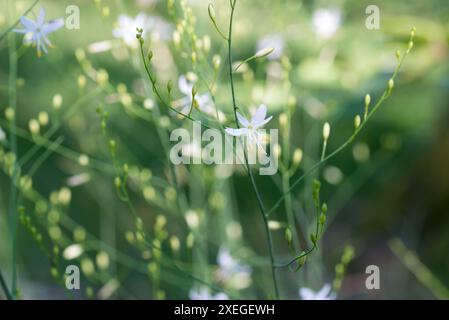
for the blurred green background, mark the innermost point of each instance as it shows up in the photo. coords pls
(391, 184)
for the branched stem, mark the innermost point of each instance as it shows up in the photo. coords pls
(386, 94)
(253, 182)
(381, 100)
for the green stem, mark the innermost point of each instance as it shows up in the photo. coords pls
(5, 287)
(324, 159)
(4, 34)
(12, 212)
(253, 183)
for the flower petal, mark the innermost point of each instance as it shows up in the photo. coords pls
(41, 17)
(236, 132)
(307, 294)
(322, 294)
(184, 86)
(242, 120)
(259, 116)
(52, 26)
(264, 122)
(29, 25)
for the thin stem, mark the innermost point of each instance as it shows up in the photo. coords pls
(253, 183)
(4, 34)
(324, 159)
(156, 91)
(12, 212)
(5, 287)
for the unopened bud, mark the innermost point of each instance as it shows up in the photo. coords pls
(288, 236)
(357, 121)
(326, 131)
(263, 53)
(216, 60)
(297, 156)
(211, 12)
(390, 85)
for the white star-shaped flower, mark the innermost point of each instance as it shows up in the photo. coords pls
(251, 129)
(36, 32)
(126, 28)
(231, 271)
(324, 294)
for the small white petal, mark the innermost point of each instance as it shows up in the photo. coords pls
(184, 86)
(307, 294)
(41, 17)
(242, 120)
(52, 26)
(236, 132)
(29, 25)
(259, 116)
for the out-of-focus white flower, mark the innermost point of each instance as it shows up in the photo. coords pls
(126, 28)
(326, 22)
(36, 32)
(77, 180)
(101, 46)
(231, 271)
(324, 294)
(2, 134)
(274, 41)
(203, 293)
(250, 129)
(205, 102)
(72, 252)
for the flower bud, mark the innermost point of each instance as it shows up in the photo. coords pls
(263, 53)
(216, 60)
(211, 11)
(288, 236)
(357, 121)
(43, 118)
(367, 100)
(57, 101)
(390, 85)
(326, 131)
(297, 156)
(34, 126)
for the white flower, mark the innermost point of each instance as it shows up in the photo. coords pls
(326, 22)
(2, 134)
(36, 32)
(126, 28)
(72, 252)
(231, 271)
(78, 180)
(251, 129)
(204, 294)
(274, 41)
(324, 294)
(205, 102)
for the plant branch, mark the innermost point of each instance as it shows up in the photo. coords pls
(253, 183)
(4, 34)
